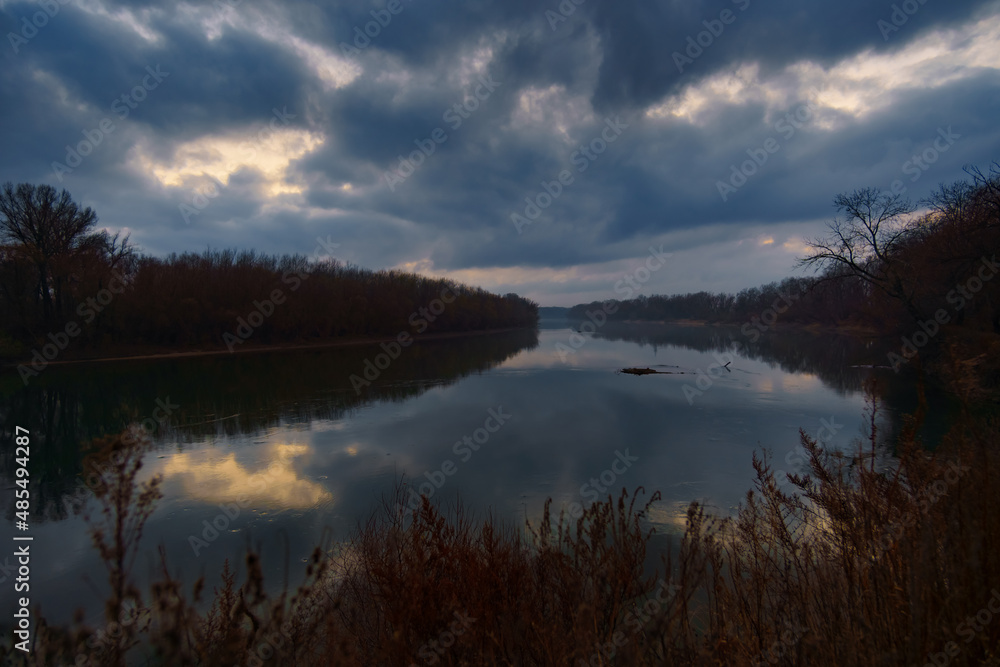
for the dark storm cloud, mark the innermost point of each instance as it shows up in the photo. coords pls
(229, 81)
(639, 41)
(559, 83)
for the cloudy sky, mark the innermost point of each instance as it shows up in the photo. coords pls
(535, 147)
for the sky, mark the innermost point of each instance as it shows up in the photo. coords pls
(547, 148)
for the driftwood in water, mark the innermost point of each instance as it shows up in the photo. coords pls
(647, 371)
(650, 371)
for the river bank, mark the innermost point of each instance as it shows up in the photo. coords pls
(145, 352)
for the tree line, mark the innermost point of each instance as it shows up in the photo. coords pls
(57, 274)
(885, 263)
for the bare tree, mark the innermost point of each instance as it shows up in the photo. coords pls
(45, 227)
(951, 202)
(116, 249)
(970, 209)
(869, 242)
(986, 192)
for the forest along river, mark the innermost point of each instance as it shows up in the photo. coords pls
(277, 448)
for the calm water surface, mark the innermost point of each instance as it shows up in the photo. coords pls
(287, 435)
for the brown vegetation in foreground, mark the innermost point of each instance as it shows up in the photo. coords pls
(859, 566)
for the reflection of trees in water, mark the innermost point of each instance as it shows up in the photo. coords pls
(217, 395)
(828, 356)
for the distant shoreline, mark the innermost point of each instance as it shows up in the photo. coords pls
(143, 353)
(844, 329)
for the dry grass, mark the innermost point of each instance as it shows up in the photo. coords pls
(859, 566)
